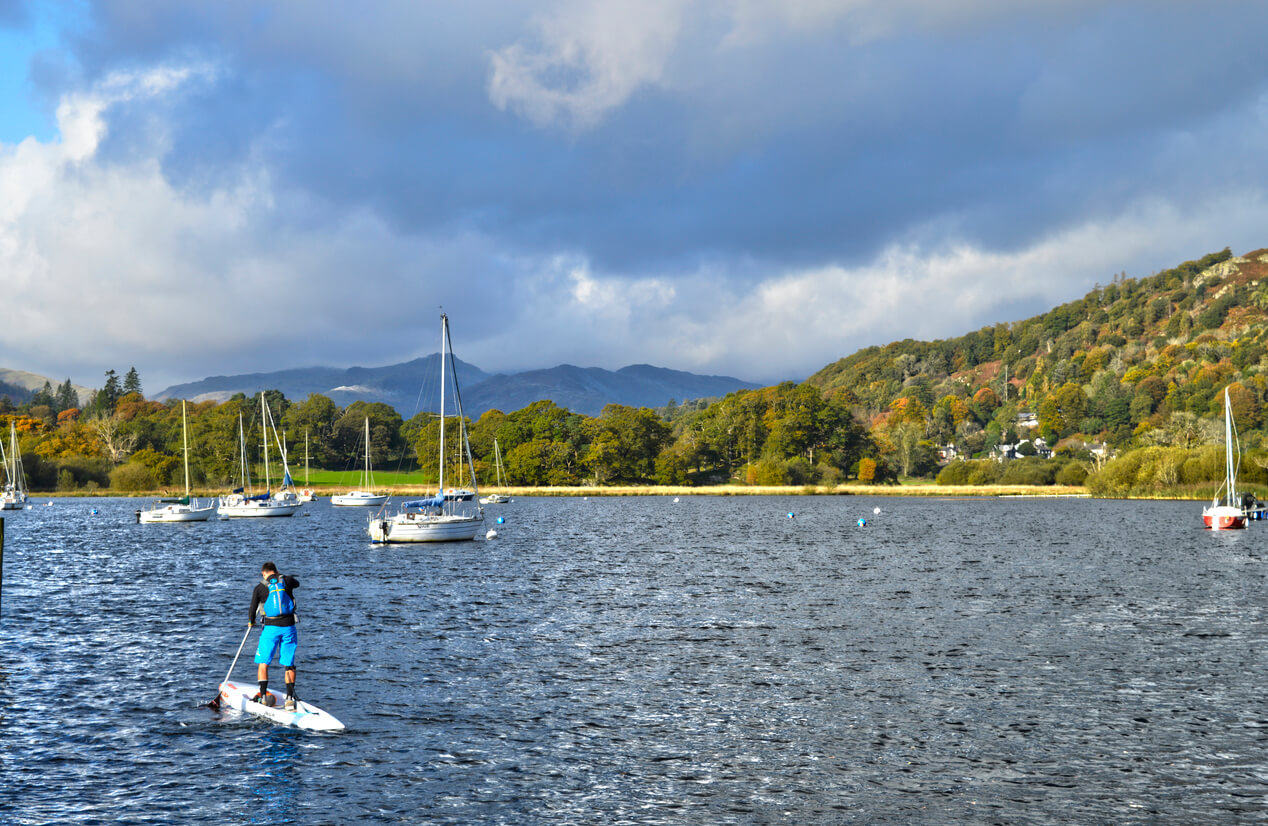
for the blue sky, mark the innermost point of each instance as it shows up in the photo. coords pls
(24, 35)
(747, 188)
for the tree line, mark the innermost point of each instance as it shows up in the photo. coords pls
(787, 434)
(1138, 366)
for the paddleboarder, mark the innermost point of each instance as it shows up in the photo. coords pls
(278, 636)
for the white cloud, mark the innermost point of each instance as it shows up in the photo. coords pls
(108, 264)
(795, 321)
(589, 59)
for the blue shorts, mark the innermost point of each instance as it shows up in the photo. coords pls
(273, 637)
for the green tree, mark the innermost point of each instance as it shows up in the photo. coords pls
(132, 382)
(1061, 412)
(624, 444)
(110, 392)
(906, 437)
(43, 397)
(386, 441)
(66, 397)
(315, 416)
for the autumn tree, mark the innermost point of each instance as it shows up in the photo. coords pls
(116, 442)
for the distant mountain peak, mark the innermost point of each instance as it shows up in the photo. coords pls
(585, 390)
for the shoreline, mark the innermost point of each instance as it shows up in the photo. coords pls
(938, 491)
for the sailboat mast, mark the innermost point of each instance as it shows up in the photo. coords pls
(1228, 446)
(444, 335)
(185, 433)
(264, 430)
(4, 460)
(365, 483)
(19, 480)
(242, 461)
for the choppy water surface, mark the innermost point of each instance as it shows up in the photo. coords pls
(645, 661)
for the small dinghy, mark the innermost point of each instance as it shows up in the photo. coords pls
(305, 715)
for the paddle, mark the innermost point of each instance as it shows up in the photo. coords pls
(214, 705)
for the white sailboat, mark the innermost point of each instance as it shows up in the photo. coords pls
(242, 503)
(497, 498)
(13, 497)
(1230, 513)
(364, 495)
(183, 509)
(448, 516)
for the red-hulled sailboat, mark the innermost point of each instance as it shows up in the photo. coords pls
(1228, 514)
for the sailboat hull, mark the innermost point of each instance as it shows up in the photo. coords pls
(358, 498)
(418, 527)
(1224, 518)
(272, 507)
(176, 513)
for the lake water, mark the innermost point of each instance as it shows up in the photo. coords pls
(640, 660)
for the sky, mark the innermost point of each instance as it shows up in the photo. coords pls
(742, 188)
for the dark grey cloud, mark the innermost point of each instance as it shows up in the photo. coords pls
(575, 172)
(794, 149)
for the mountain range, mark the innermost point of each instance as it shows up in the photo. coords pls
(583, 390)
(20, 385)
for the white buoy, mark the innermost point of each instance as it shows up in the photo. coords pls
(675, 498)
(492, 534)
(876, 511)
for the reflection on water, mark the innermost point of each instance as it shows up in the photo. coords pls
(641, 660)
(279, 769)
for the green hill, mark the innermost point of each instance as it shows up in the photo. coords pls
(1139, 349)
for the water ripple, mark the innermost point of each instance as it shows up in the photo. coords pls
(639, 661)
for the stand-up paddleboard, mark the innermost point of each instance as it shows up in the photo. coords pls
(305, 715)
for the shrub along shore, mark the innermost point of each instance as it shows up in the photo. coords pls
(673, 490)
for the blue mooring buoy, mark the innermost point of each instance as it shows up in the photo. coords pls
(501, 519)
(862, 522)
(791, 515)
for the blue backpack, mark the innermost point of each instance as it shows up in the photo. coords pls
(279, 603)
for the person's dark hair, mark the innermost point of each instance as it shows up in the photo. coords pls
(268, 568)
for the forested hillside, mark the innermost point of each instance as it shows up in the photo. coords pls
(1196, 327)
(1135, 369)
(1136, 363)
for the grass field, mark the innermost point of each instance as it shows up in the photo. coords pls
(352, 478)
